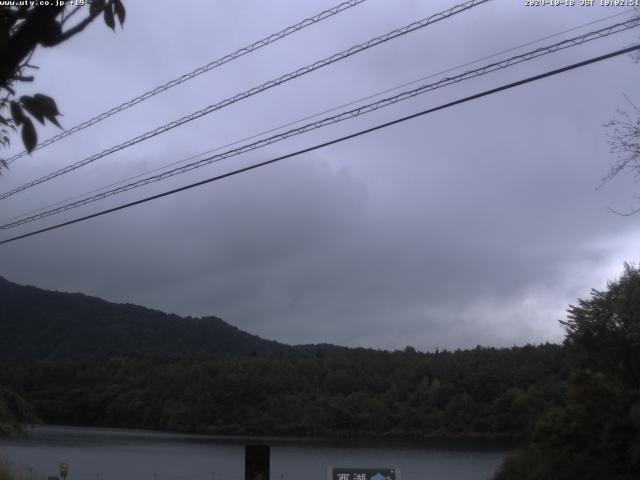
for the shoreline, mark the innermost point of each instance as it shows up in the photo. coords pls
(475, 442)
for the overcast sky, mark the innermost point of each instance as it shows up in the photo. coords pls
(478, 224)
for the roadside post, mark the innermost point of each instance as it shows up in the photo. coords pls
(256, 462)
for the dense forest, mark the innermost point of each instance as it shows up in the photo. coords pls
(595, 433)
(355, 392)
(43, 324)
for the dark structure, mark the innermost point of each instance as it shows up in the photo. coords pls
(256, 462)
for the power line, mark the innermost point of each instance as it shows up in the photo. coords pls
(337, 118)
(309, 117)
(253, 91)
(524, 57)
(274, 37)
(334, 141)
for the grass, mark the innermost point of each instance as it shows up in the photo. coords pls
(11, 471)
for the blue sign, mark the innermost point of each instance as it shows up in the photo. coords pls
(363, 474)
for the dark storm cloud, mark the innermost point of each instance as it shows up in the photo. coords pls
(478, 224)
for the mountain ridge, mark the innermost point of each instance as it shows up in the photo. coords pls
(39, 324)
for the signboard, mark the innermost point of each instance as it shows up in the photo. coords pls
(256, 462)
(64, 470)
(363, 474)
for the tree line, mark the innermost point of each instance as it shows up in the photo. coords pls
(595, 433)
(352, 392)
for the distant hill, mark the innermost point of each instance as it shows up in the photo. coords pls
(126, 366)
(40, 324)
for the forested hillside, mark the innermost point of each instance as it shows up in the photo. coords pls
(41, 324)
(82, 360)
(356, 392)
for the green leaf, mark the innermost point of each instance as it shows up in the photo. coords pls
(29, 135)
(17, 113)
(118, 6)
(48, 103)
(96, 7)
(47, 107)
(32, 106)
(108, 17)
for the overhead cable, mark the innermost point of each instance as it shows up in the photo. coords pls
(362, 110)
(309, 117)
(253, 91)
(274, 37)
(332, 142)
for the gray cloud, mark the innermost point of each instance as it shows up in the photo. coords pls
(475, 225)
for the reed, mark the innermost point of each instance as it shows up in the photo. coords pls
(11, 471)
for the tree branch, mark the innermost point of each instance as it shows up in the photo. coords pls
(70, 14)
(630, 213)
(22, 78)
(77, 28)
(28, 35)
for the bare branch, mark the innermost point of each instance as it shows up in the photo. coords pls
(623, 214)
(22, 78)
(624, 142)
(631, 103)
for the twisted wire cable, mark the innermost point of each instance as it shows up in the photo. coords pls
(255, 90)
(274, 37)
(371, 107)
(315, 115)
(501, 88)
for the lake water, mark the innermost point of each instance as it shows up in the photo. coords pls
(114, 454)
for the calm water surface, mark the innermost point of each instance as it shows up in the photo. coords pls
(114, 454)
